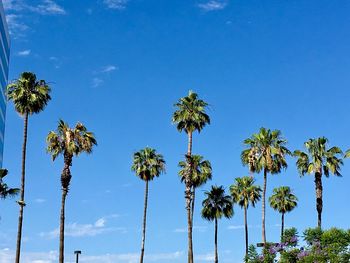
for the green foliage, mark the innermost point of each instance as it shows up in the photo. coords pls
(6, 191)
(252, 256)
(288, 235)
(312, 235)
(283, 200)
(290, 256)
(199, 170)
(244, 192)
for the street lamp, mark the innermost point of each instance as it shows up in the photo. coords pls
(77, 253)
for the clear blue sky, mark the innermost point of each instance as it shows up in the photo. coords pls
(118, 66)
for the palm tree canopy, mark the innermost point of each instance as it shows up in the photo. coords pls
(147, 164)
(198, 169)
(283, 200)
(217, 204)
(28, 94)
(70, 141)
(244, 192)
(190, 115)
(266, 150)
(319, 158)
(5, 191)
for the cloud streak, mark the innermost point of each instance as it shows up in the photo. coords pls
(116, 4)
(212, 5)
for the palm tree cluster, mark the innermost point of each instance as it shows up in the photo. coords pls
(265, 153)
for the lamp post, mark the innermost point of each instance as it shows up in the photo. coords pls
(77, 253)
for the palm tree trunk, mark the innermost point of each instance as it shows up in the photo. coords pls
(193, 200)
(263, 208)
(144, 224)
(216, 241)
(319, 200)
(21, 202)
(189, 146)
(188, 196)
(62, 218)
(282, 227)
(246, 231)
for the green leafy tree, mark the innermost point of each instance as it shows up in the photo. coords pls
(283, 201)
(319, 160)
(266, 152)
(29, 96)
(68, 142)
(147, 164)
(215, 206)
(6, 191)
(244, 193)
(200, 172)
(190, 116)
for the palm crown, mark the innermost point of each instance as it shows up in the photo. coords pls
(244, 192)
(283, 200)
(190, 115)
(148, 164)
(70, 141)
(198, 169)
(266, 150)
(217, 204)
(318, 158)
(5, 191)
(28, 94)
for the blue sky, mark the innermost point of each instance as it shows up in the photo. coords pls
(118, 66)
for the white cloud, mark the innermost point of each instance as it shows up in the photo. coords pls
(116, 4)
(96, 82)
(24, 53)
(213, 5)
(195, 228)
(46, 7)
(109, 68)
(16, 27)
(39, 200)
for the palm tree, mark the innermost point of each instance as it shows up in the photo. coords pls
(200, 172)
(5, 191)
(283, 201)
(29, 96)
(215, 206)
(244, 192)
(68, 142)
(319, 160)
(147, 165)
(190, 116)
(266, 152)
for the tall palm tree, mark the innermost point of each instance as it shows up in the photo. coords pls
(200, 172)
(190, 116)
(68, 142)
(29, 96)
(6, 191)
(318, 160)
(215, 206)
(147, 165)
(283, 201)
(244, 192)
(265, 152)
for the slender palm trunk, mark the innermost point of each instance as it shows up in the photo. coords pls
(62, 219)
(246, 231)
(282, 227)
(319, 200)
(188, 196)
(193, 200)
(21, 202)
(216, 241)
(263, 208)
(144, 224)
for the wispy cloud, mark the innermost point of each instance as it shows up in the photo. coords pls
(96, 82)
(24, 53)
(109, 68)
(16, 27)
(213, 5)
(195, 228)
(116, 4)
(39, 200)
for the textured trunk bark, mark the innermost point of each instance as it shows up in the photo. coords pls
(21, 202)
(246, 231)
(62, 218)
(188, 197)
(263, 208)
(216, 241)
(319, 200)
(282, 227)
(193, 200)
(144, 224)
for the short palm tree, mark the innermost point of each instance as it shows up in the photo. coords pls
(244, 192)
(147, 165)
(283, 201)
(68, 142)
(6, 191)
(190, 116)
(266, 152)
(29, 96)
(200, 172)
(215, 206)
(318, 160)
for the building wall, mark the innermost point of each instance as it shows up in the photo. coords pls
(4, 69)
